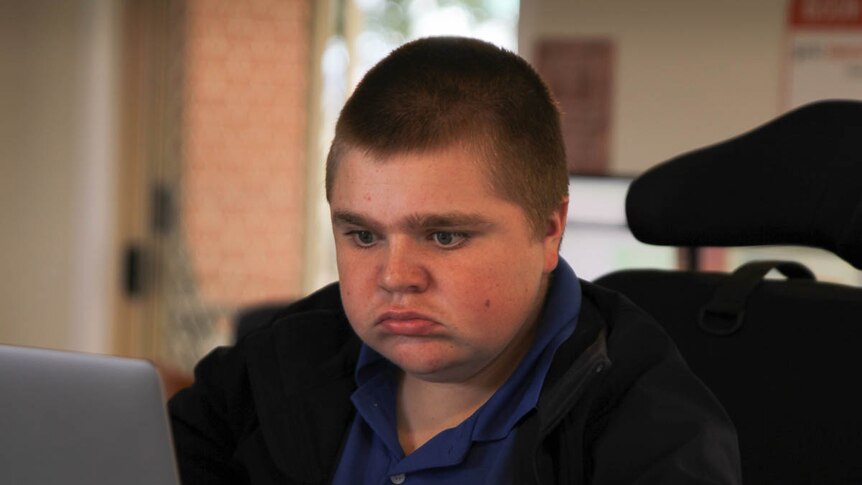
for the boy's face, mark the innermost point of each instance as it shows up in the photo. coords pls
(438, 273)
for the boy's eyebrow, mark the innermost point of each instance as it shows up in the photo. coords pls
(341, 217)
(415, 221)
(446, 220)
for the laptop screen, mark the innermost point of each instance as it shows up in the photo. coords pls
(72, 418)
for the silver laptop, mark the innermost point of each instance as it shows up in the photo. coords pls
(71, 418)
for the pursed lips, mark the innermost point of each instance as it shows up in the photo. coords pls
(407, 323)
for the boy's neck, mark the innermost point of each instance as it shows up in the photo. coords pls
(425, 408)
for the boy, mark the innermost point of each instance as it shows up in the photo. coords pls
(457, 347)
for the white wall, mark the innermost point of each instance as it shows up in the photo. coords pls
(689, 72)
(57, 270)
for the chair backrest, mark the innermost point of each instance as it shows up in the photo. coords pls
(783, 356)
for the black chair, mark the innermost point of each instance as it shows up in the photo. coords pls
(784, 356)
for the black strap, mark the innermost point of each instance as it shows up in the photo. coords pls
(724, 313)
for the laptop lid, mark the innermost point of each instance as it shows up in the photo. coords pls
(71, 418)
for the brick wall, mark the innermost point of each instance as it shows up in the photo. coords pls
(244, 129)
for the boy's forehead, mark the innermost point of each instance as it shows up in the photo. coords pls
(453, 168)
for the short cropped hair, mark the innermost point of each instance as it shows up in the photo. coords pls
(438, 92)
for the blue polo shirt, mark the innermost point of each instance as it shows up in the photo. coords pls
(475, 451)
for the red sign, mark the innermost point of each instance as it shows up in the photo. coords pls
(579, 71)
(826, 14)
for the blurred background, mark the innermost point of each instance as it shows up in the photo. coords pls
(161, 162)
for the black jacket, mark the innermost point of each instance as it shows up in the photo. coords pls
(618, 406)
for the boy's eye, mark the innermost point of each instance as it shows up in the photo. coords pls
(447, 239)
(363, 238)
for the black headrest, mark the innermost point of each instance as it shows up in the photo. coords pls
(796, 180)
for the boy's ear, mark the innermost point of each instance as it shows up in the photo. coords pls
(556, 225)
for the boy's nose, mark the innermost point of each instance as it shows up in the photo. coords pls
(403, 271)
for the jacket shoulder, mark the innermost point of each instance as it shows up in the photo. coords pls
(653, 420)
(635, 339)
(252, 403)
(327, 298)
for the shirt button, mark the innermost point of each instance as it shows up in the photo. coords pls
(397, 479)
